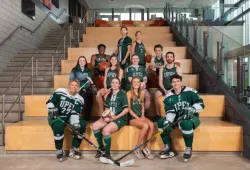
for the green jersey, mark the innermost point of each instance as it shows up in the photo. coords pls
(140, 51)
(66, 104)
(158, 62)
(110, 75)
(136, 106)
(135, 71)
(117, 103)
(123, 44)
(187, 98)
(166, 73)
(99, 59)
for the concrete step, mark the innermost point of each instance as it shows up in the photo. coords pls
(10, 99)
(23, 55)
(40, 64)
(36, 84)
(49, 58)
(28, 73)
(39, 51)
(12, 117)
(27, 91)
(28, 68)
(26, 78)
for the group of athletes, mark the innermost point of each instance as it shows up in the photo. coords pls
(125, 95)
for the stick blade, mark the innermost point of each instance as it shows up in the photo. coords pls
(127, 163)
(105, 160)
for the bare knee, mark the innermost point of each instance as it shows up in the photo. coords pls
(151, 125)
(145, 126)
(99, 93)
(95, 126)
(106, 131)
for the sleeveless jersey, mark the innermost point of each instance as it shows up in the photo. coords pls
(166, 73)
(136, 106)
(158, 62)
(65, 103)
(110, 75)
(140, 51)
(99, 59)
(123, 44)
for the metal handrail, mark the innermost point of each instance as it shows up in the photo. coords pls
(27, 29)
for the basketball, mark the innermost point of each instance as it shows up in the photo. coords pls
(103, 66)
(148, 58)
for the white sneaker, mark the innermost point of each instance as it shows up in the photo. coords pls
(75, 153)
(138, 153)
(147, 153)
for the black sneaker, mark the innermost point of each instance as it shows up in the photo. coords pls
(99, 154)
(166, 153)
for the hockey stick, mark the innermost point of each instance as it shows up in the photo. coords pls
(89, 80)
(145, 142)
(111, 161)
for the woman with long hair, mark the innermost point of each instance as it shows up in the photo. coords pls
(139, 49)
(82, 73)
(116, 103)
(113, 71)
(136, 118)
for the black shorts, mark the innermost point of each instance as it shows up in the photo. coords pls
(130, 117)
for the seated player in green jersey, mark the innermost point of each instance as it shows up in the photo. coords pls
(139, 49)
(135, 70)
(66, 104)
(116, 102)
(82, 73)
(182, 102)
(165, 72)
(113, 71)
(136, 118)
(123, 50)
(157, 61)
(96, 59)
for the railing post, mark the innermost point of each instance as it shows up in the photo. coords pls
(36, 66)
(3, 121)
(240, 78)
(70, 37)
(181, 24)
(176, 20)
(219, 58)
(32, 74)
(64, 46)
(205, 45)
(20, 93)
(187, 30)
(78, 34)
(52, 70)
(172, 12)
(195, 37)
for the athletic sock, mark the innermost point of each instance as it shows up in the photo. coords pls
(188, 140)
(107, 140)
(166, 138)
(59, 144)
(98, 136)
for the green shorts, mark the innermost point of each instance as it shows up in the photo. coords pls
(120, 122)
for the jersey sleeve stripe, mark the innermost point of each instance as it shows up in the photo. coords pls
(50, 105)
(198, 107)
(170, 117)
(124, 106)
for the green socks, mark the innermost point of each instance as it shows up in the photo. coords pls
(107, 140)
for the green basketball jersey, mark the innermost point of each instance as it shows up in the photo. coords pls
(187, 98)
(166, 73)
(99, 59)
(135, 71)
(117, 103)
(110, 75)
(136, 106)
(140, 51)
(159, 62)
(67, 104)
(123, 44)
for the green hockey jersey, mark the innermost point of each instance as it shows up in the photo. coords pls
(187, 98)
(66, 104)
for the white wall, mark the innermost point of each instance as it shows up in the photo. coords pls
(10, 18)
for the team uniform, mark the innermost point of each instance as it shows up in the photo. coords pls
(174, 106)
(136, 107)
(140, 52)
(99, 60)
(166, 74)
(135, 71)
(157, 62)
(110, 75)
(86, 89)
(69, 107)
(123, 44)
(116, 103)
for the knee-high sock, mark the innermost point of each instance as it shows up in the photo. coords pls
(98, 136)
(107, 140)
(187, 132)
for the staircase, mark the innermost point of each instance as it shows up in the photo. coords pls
(214, 134)
(42, 71)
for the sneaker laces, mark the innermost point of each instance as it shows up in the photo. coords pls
(188, 150)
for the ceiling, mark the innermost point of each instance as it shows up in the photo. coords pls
(105, 4)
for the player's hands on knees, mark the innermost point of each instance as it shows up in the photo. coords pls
(142, 118)
(53, 113)
(167, 126)
(112, 118)
(123, 61)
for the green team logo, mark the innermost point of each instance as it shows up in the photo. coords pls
(66, 107)
(168, 74)
(181, 105)
(111, 74)
(138, 101)
(113, 104)
(101, 59)
(137, 74)
(141, 47)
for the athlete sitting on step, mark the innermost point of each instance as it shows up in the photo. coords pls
(182, 102)
(82, 73)
(165, 72)
(66, 104)
(116, 103)
(96, 59)
(137, 118)
(135, 70)
(113, 71)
